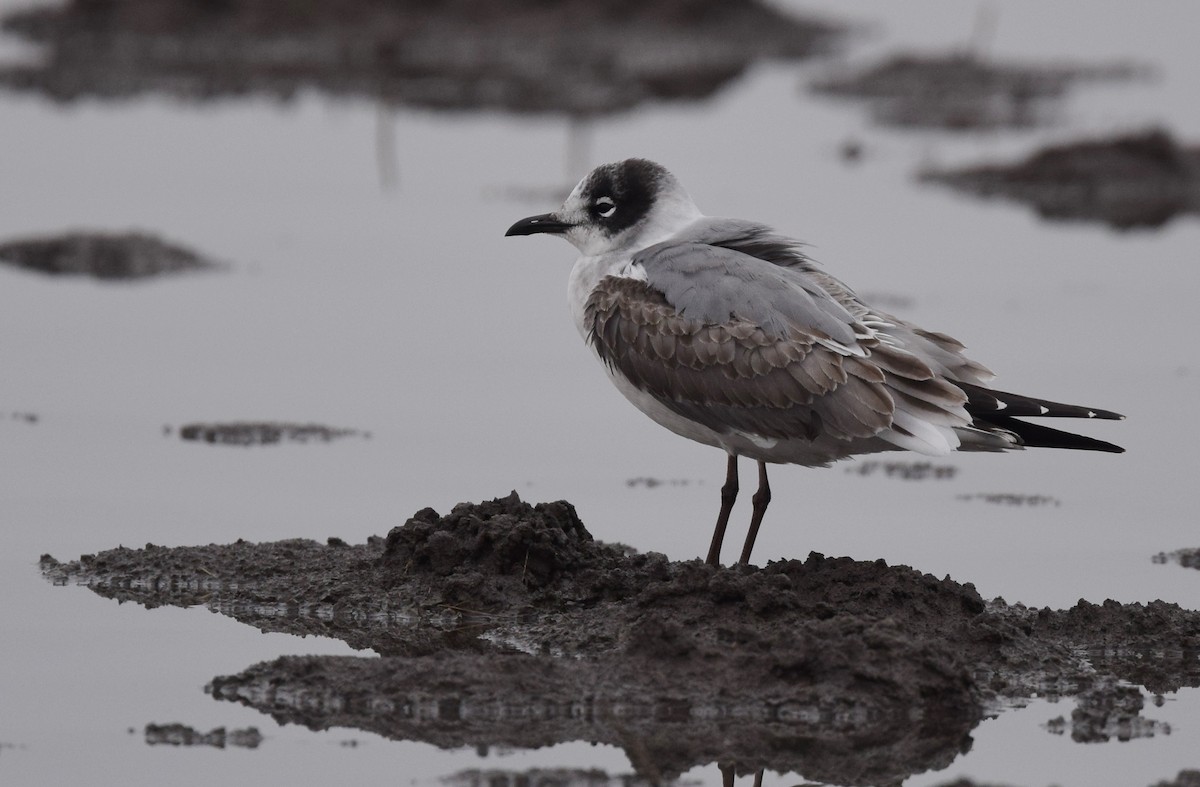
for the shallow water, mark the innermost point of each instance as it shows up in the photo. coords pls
(404, 313)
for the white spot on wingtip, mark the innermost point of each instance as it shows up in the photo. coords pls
(1091, 414)
(1001, 405)
(1043, 410)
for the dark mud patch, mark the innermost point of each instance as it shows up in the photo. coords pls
(130, 255)
(845, 671)
(570, 56)
(904, 471)
(219, 738)
(962, 92)
(1131, 181)
(21, 416)
(1015, 499)
(1188, 558)
(246, 433)
(650, 482)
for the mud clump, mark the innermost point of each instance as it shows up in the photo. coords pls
(246, 433)
(131, 255)
(1137, 180)
(219, 738)
(1188, 558)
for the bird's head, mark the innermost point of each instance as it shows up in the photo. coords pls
(629, 204)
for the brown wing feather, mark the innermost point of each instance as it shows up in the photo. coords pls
(777, 388)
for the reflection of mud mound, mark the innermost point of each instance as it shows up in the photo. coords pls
(264, 433)
(219, 738)
(668, 714)
(1141, 180)
(961, 92)
(131, 255)
(1109, 711)
(552, 777)
(848, 671)
(566, 56)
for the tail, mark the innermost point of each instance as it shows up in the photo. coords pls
(994, 411)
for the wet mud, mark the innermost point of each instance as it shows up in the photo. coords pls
(963, 92)
(131, 255)
(246, 433)
(219, 738)
(569, 56)
(1132, 181)
(507, 624)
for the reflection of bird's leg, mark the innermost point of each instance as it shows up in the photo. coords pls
(728, 495)
(758, 777)
(761, 498)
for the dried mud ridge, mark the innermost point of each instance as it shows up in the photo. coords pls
(130, 255)
(840, 670)
(962, 92)
(572, 56)
(1130, 181)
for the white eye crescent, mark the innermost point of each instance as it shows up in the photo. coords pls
(607, 207)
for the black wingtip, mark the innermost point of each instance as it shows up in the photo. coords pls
(985, 402)
(1038, 436)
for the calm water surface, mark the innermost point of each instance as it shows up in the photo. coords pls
(403, 311)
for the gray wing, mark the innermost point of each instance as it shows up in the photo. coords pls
(713, 283)
(740, 343)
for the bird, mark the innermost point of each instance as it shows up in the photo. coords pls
(726, 332)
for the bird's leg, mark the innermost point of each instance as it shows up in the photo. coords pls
(728, 495)
(761, 498)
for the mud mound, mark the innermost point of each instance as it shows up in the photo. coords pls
(1136, 180)
(846, 671)
(131, 255)
(264, 433)
(563, 56)
(962, 92)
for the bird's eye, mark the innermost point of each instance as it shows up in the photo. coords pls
(605, 207)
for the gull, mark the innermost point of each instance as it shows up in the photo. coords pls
(727, 333)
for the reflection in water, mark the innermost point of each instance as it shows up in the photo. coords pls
(1138, 180)
(963, 92)
(506, 624)
(1107, 711)
(552, 777)
(666, 721)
